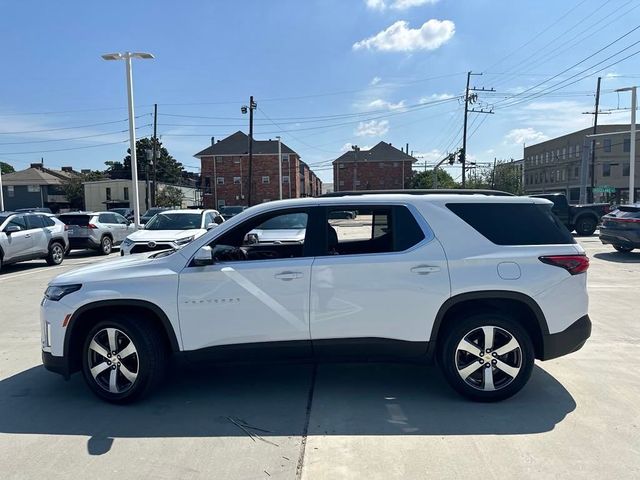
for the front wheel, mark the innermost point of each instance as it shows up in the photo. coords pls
(56, 254)
(487, 357)
(122, 359)
(622, 249)
(585, 226)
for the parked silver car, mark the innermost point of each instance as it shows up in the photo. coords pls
(29, 236)
(100, 231)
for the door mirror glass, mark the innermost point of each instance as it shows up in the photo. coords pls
(203, 257)
(12, 229)
(252, 239)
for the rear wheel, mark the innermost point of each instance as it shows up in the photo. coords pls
(586, 225)
(122, 359)
(106, 245)
(56, 254)
(487, 357)
(622, 249)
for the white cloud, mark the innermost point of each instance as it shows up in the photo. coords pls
(375, 81)
(381, 5)
(372, 128)
(348, 146)
(383, 104)
(528, 135)
(400, 38)
(434, 97)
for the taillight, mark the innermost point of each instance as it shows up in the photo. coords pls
(91, 226)
(573, 264)
(66, 227)
(624, 220)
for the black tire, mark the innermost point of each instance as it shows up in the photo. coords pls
(451, 358)
(622, 249)
(586, 225)
(56, 253)
(106, 245)
(150, 359)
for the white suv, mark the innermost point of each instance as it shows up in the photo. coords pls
(481, 284)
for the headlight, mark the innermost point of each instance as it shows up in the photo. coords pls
(185, 240)
(127, 242)
(56, 292)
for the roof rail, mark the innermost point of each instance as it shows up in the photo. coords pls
(449, 191)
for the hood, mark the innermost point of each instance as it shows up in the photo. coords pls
(115, 267)
(164, 235)
(282, 235)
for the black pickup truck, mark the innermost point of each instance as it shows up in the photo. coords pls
(582, 218)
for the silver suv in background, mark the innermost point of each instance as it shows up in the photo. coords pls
(99, 231)
(29, 236)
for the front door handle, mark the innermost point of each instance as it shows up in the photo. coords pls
(287, 276)
(425, 269)
(28, 235)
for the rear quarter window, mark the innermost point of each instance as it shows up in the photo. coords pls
(514, 223)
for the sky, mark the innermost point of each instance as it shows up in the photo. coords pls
(326, 75)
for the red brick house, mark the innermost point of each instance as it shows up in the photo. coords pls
(225, 168)
(383, 167)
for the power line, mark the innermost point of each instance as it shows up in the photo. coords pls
(64, 149)
(68, 128)
(73, 138)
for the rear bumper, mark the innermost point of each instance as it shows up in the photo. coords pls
(571, 339)
(619, 237)
(56, 364)
(87, 242)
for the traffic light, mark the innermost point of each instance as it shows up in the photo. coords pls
(452, 158)
(461, 156)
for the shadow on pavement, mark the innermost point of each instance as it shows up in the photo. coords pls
(349, 399)
(618, 257)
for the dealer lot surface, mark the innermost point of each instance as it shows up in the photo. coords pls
(579, 416)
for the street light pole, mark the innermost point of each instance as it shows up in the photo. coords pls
(127, 56)
(280, 167)
(632, 149)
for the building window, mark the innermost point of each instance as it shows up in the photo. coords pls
(341, 165)
(236, 180)
(220, 180)
(570, 150)
(218, 159)
(341, 183)
(625, 170)
(236, 160)
(221, 202)
(108, 192)
(577, 150)
(357, 182)
(395, 164)
(606, 170)
(10, 191)
(265, 179)
(126, 193)
(607, 145)
(285, 157)
(564, 152)
(575, 172)
(285, 179)
(381, 164)
(626, 145)
(33, 188)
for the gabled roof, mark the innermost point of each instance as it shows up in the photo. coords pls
(238, 144)
(382, 152)
(30, 176)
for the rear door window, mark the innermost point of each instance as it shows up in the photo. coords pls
(48, 221)
(34, 221)
(514, 223)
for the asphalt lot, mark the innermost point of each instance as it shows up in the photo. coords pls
(578, 417)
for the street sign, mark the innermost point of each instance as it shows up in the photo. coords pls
(604, 189)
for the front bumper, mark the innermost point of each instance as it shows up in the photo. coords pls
(145, 247)
(56, 364)
(569, 340)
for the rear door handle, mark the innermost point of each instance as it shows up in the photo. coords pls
(425, 269)
(28, 235)
(286, 276)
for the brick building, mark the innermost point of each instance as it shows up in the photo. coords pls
(383, 167)
(225, 168)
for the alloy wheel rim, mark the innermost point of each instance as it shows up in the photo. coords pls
(488, 358)
(113, 360)
(57, 254)
(106, 245)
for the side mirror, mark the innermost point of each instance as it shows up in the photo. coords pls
(218, 220)
(211, 225)
(203, 257)
(252, 239)
(11, 229)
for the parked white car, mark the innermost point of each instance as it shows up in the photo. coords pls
(482, 284)
(171, 229)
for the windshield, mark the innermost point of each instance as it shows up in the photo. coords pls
(285, 222)
(152, 211)
(121, 211)
(174, 221)
(231, 210)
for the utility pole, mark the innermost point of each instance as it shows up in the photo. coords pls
(470, 99)
(252, 106)
(280, 167)
(155, 154)
(356, 149)
(1, 194)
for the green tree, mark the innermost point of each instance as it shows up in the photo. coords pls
(507, 177)
(168, 169)
(6, 168)
(425, 179)
(170, 197)
(73, 187)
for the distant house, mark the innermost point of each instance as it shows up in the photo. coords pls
(36, 186)
(225, 168)
(383, 167)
